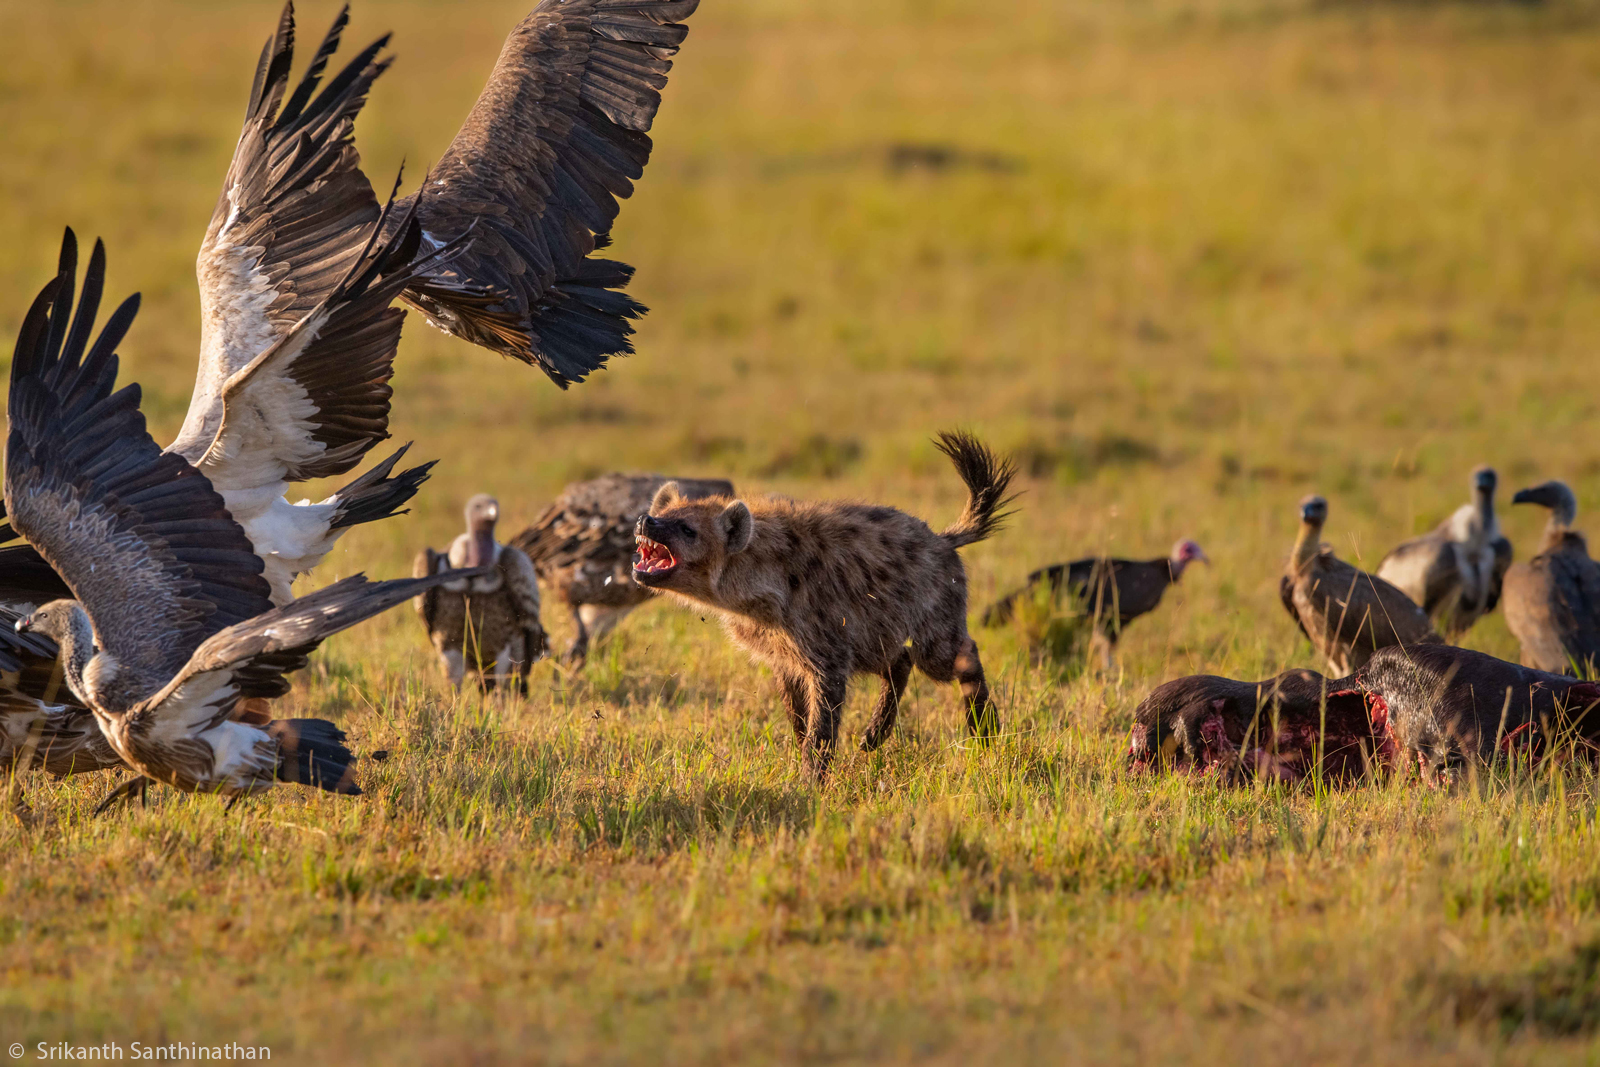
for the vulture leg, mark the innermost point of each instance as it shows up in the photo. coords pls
(894, 684)
(796, 692)
(455, 667)
(135, 785)
(231, 802)
(1101, 644)
(827, 709)
(579, 650)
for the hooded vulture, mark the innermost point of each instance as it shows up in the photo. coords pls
(1447, 707)
(1553, 600)
(489, 624)
(1280, 729)
(1114, 591)
(170, 624)
(1346, 614)
(582, 545)
(1455, 571)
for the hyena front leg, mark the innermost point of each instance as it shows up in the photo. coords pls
(883, 717)
(829, 689)
(796, 692)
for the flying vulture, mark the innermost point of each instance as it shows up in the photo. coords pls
(1455, 571)
(1447, 707)
(488, 624)
(582, 545)
(301, 263)
(1278, 729)
(1114, 591)
(1346, 614)
(1553, 600)
(170, 624)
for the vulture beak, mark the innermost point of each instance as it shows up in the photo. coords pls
(1200, 554)
(24, 624)
(1527, 496)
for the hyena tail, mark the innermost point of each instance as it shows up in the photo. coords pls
(987, 477)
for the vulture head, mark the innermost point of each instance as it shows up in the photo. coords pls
(1314, 511)
(684, 544)
(482, 512)
(1556, 496)
(1484, 481)
(67, 624)
(1185, 553)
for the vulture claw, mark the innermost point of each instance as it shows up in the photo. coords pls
(137, 784)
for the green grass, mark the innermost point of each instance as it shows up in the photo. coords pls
(1190, 261)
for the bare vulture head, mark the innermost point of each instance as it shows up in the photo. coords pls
(483, 511)
(1185, 553)
(1484, 481)
(1556, 496)
(1314, 511)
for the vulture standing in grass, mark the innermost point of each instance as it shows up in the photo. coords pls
(1445, 707)
(1455, 571)
(1114, 591)
(1347, 614)
(301, 262)
(582, 545)
(488, 624)
(1278, 729)
(170, 624)
(1553, 600)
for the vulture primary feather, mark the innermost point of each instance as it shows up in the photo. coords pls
(1455, 571)
(170, 625)
(1553, 600)
(488, 624)
(582, 546)
(1114, 591)
(1346, 613)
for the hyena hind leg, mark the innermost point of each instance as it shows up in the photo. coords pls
(983, 718)
(888, 709)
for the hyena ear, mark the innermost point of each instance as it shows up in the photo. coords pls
(668, 495)
(737, 526)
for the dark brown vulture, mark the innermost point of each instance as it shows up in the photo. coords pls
(171, 625)
(582, 546)
(1553, 600)
(488, 624)
(1456, 570)
(1448, 707)
(1272, 729)
(1346, 614)
(1114, 591)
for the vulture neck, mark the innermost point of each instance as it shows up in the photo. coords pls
(1306, 545)
(77, 649)
(480, 547)
(1486, 516)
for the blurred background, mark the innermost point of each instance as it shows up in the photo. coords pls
(1187, 260)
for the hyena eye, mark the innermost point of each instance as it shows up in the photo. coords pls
(688, 531)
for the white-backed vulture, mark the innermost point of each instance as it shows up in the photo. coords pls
(1346, 613)
(171, 624)
(488, 624)
(1456, 570)
(1553, 601)
(582, 546)
(1114, 591)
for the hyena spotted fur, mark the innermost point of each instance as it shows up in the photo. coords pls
(823, 590)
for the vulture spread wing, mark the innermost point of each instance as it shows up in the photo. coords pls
(294, 216)
(139, 535)
(558, 136)
(25, 578)
(251, 659)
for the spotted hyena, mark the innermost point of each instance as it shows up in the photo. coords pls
(823, 590)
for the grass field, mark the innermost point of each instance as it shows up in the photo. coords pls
(1188, 260)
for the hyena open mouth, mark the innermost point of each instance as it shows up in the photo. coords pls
(654, 558)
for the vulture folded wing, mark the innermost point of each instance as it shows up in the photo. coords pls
(557, 137)
(1497, 578)
(138, 535)
(522, 586)
(294, 218)
(427, 602)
